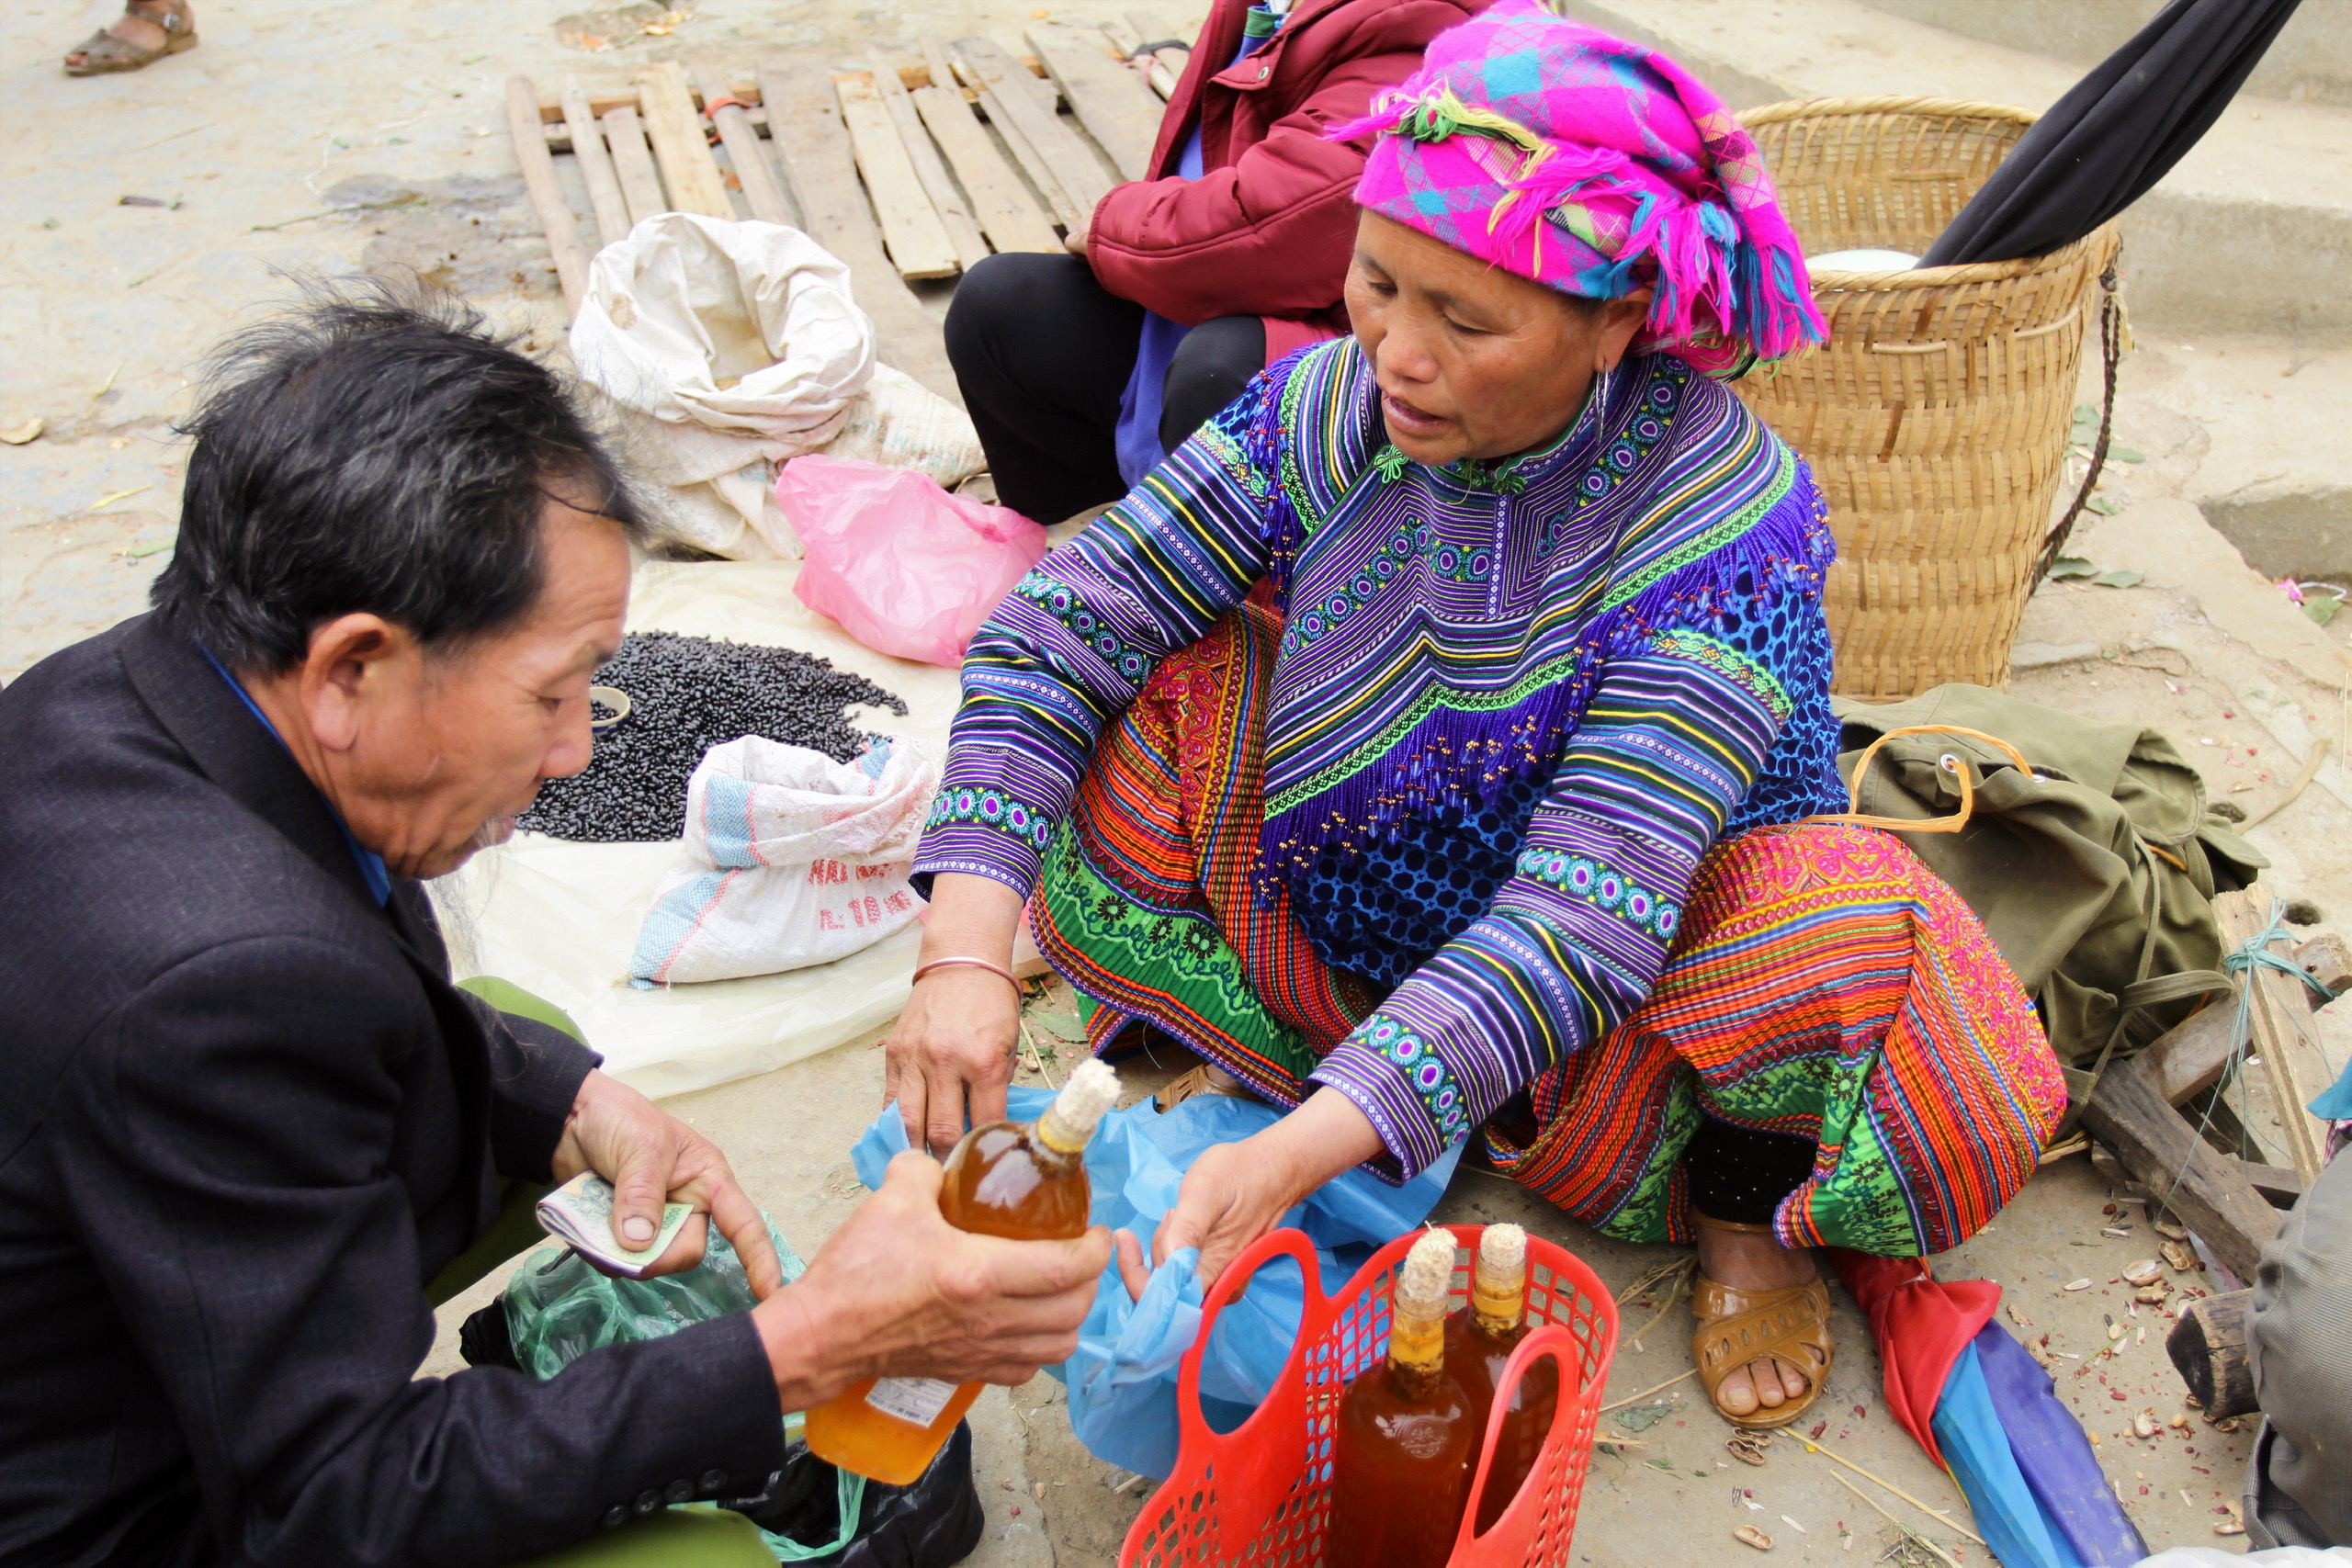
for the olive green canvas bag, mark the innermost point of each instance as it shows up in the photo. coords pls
(2094, 871)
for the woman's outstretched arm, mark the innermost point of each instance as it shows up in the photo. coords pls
(1056, 663)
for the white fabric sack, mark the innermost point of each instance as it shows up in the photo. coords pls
(790, 859)
(901, 424)
(737, 345)
(896, 421)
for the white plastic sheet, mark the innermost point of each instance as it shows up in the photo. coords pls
(561, 919)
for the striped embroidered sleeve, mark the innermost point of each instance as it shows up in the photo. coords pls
(1676, 731)
(1074, 642)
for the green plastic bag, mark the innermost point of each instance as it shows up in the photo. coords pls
(558, 1308)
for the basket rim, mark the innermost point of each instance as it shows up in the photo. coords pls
(1937, 109)
(2107, 236)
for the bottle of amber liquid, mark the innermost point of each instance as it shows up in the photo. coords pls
(1027, 1183)
(1400, 1462)
(1478, 1342)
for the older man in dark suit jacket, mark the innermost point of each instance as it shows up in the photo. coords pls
(245, 1117)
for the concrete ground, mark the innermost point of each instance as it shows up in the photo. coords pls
(287, 111)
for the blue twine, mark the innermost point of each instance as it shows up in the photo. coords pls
(2252, 954)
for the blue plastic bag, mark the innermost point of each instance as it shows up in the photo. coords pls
(1123, 1379)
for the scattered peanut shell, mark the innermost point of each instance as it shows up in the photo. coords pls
(23, 433)
(2144, 1424)
(1762, 1543)
(1747, 1449)
(2078, 1284)
(2228, 1526)
(2151, 1295)
(2147, 1271)
(2173, 1229)
(2180, 1256)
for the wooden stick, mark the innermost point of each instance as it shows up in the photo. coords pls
(1109, 100)
(945, 199)
(547, 197)
(1812, 1446)
(1888, 1516)
(633, 165)
(1007, 212)
(688, 170)
(2303, 782)
(595, 163)
(1037, 1057)
(1646, 1393)
(1673, 1294)
(911, 230)
(766, 197)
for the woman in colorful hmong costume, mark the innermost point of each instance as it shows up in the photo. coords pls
(1483, 816)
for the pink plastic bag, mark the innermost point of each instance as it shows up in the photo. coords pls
(906, 568)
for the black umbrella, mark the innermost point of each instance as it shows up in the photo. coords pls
(2120, 130)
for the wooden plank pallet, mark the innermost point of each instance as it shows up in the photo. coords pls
(906, 171)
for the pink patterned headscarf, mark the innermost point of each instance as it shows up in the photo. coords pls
(1593, 166)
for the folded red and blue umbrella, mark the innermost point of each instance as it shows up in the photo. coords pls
(1985, 1411)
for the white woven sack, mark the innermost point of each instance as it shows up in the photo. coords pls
(738, 346)
(790, 859)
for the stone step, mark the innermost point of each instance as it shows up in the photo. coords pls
(2250, 234)
(2249, 431)
(2308, 61)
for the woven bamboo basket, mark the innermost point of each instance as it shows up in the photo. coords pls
(1936, 418)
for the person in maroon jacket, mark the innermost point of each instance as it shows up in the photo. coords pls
(1082, 371)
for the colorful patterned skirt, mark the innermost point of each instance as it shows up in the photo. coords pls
(1823, 983)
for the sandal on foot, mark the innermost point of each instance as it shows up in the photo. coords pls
(1202, 1079)
(104, 53)
(1790, 1324)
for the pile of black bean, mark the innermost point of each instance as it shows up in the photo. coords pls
(687, 694)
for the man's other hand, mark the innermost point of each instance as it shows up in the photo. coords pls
(897, 1291)
(652, 1158)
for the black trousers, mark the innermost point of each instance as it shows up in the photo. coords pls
(1740, 1174)
(1043, 352)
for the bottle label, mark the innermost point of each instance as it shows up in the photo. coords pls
(916, 1401)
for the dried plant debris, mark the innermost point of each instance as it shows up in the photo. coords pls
(687, 694)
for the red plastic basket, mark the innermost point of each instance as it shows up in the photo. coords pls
(1262, 1493)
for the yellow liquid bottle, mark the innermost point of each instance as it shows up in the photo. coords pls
(1026, 1183)
(1479, 1340)
(1400, 1460)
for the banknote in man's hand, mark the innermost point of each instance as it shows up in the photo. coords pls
(580, 1214)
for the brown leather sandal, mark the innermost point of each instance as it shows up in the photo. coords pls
(1202, 1079)
(1735, 1327)
(104, 53)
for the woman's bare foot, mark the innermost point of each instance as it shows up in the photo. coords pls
(141, 26)
(1748, 1260)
